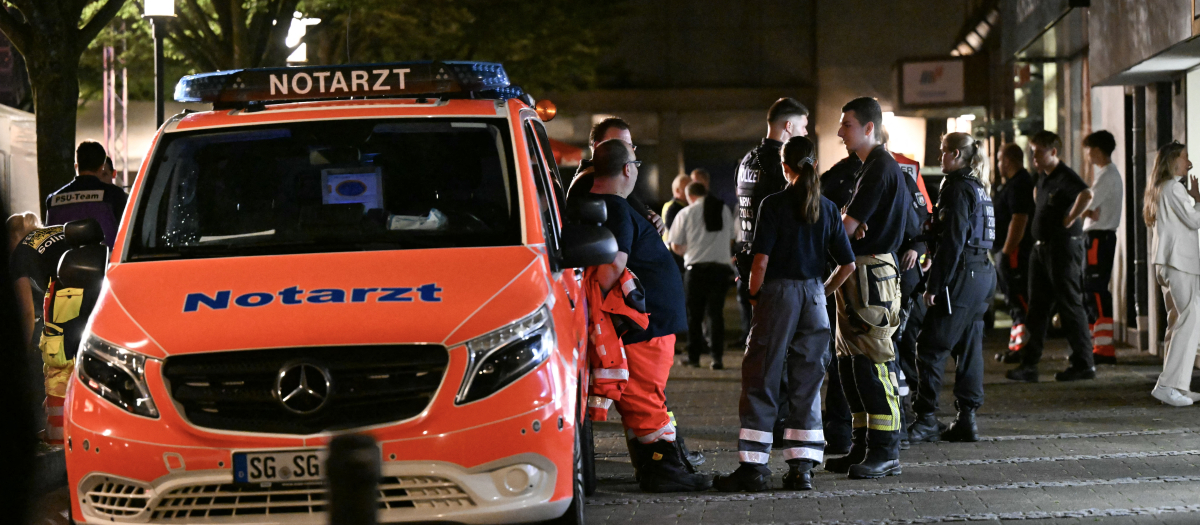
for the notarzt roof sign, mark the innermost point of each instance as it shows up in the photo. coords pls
(359, 80)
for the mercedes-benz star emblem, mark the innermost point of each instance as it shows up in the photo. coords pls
(303, 388)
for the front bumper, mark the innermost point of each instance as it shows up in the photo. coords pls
(514, 489)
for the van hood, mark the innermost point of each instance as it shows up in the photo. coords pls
(327, 299)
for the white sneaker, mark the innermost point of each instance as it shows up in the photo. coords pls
(1170, 396)
(1190, 395)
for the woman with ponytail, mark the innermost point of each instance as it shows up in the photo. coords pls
(1176, 258)
(959, 287)
(797, 231)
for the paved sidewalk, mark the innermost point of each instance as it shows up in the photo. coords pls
(1098, 451)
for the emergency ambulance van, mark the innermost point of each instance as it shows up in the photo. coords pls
(371, 248)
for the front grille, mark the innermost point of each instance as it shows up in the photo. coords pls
(116, 498)
(369, 385)
(225, 499)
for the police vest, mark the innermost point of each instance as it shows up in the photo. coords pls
(983, 220)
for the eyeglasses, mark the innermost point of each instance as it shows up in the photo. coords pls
(636, 163)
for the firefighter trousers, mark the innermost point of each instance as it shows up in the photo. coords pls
(957, 331)
(789, 335)
(874, 401)
(1101, 249)
(643, 403)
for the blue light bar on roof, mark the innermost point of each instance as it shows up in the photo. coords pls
(482, 79)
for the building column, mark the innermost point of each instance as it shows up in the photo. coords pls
(670, 154)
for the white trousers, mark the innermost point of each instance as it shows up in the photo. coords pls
(1180, 289)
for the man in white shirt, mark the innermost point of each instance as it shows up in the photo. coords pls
(1100, 223)
(703, 233)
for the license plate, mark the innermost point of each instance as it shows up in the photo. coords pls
(277, 466)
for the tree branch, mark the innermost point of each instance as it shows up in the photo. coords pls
(15, 30)
(97, 23)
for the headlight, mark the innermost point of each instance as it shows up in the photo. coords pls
(116, 374)
(498, 358)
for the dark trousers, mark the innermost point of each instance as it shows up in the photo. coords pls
(1101, 248)
(957, 331)
(906, 347)
(1056, 278)
(873, 401)
(790, 335)
(837, 418)
(744, 306)
(706, 285)
(1012, 279)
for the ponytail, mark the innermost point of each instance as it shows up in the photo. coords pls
(799, 154)
(972, 151)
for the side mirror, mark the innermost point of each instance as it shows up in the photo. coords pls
(586, 245)
(83, 267)
(587, 209)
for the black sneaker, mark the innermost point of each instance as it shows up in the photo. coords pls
(1104, 359)
(799, 476)
(1027, 374)
(1076, 374)
(747, 478)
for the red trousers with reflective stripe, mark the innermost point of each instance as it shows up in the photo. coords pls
(643, 404)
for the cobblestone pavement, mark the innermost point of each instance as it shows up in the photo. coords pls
(1098, 451)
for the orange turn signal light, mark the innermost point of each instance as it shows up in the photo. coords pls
(546, 110)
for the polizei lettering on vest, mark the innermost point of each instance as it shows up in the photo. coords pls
(293, 295)
(361, 81)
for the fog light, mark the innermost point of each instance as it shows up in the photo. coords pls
(517, 479)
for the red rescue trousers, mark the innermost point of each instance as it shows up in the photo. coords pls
(643, 404)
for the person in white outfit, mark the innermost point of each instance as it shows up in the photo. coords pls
(1172, 211)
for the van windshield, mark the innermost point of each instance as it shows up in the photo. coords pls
(329, 186)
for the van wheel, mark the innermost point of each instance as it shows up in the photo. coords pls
(574, 513)
(589, 457)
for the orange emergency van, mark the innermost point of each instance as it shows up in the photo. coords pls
(366, 248)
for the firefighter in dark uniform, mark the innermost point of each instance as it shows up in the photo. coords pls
(868, 303)
(1014, 207)
(837, 185)
(959, 289)
(797, 231)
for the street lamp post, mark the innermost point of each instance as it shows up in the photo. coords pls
(159, 12)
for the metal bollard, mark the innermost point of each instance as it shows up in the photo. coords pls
(353, 478)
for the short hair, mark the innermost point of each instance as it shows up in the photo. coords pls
(866, 109)
(1013, 153)
(610, 158)
(90, 155)
(1101, 139)
(701, 175)
(601, 128)
(680, 181)
(786, 108)
(1047, 139)
(696, 189)
(20, 225)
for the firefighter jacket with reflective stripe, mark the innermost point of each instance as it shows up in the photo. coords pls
(620, 312)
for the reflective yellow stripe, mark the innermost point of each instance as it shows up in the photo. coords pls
(892, 422)
(860, 419)
(883, 422)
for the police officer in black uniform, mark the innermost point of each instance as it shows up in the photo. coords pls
(837, 185)
(759, 175)
(959, 288)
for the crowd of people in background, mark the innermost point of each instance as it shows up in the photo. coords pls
(858, 280)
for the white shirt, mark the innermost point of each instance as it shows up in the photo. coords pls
(1107, 190)
(702, 245)
(1175, 240)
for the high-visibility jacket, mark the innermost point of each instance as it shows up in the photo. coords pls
(620, 312)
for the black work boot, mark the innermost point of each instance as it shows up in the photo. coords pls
(664, 469)
(749, 477)
(924, 429)
(1027, 374)
(636, 457)
(1076, 374)
(963, 429)
(858, 451)
(694, 458)
(876, 465)
(799, 476)
(1009, 357)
